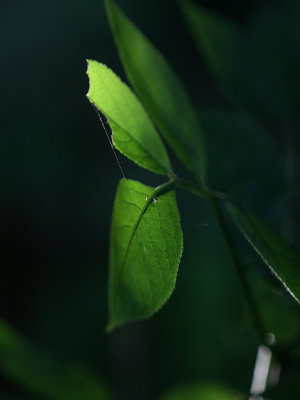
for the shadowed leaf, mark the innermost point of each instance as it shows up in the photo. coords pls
(279, 256)
(232, 139)
(216, 38)
(247, 61)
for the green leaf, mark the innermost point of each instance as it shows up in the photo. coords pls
(160, 90)
(146, 246)
(232, 139)
(133, 132)
(204, 392)
(279, 312)
(215, 37)
(240, 58)
(42, 374)
(279, 256)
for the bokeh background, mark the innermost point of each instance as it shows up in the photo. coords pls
(59, 179)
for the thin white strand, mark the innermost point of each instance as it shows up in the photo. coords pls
(110, 141)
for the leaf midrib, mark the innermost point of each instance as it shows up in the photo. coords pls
(144, 149)
(144, 209)
(160, 190)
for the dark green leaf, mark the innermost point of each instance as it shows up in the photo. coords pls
(133, 132)
(204, 392)
(44, 375)
(232, 139)
(241, 59)
(215, 37)
(279, 256)
(160, 90)
(146, 246)
(279, 312)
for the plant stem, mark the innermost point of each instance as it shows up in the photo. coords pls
(164, 188)
(240, 271)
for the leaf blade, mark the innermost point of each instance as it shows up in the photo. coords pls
(240, 58)
(282, 259)
(146, 246)
(232, 139)
(160, 90)
(133, 132)
(215, 38)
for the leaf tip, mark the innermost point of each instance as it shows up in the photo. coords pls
(91, 64)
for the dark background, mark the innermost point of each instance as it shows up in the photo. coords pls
(59, 178)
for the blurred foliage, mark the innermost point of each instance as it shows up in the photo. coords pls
(55, 212)
(43, 375)
(212, 391)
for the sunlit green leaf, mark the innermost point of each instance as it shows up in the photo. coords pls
(279, 256)
(133, 132)
(160, 90)
(146, 246)
(204, 392)
(43, 375)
